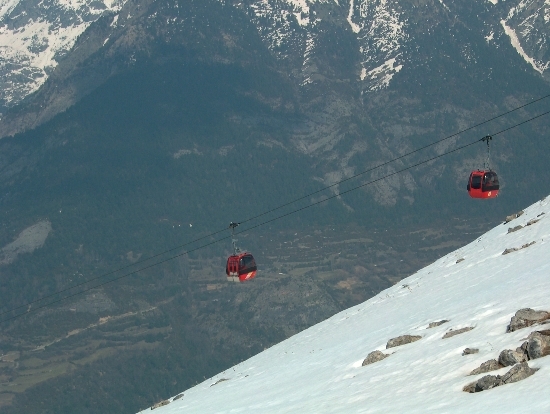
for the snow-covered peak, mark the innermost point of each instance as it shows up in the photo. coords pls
(478, 287)
(35, 34)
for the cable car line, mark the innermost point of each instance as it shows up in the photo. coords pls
(272, 210)
(260, 224)
(397, 159)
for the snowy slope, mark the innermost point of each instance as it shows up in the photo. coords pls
(319, 370)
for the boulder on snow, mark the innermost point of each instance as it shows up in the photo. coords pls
(434, 324)
(516, 373)
(220, 380)
(469, 351)
(160, 404)
(538, 344)
(373, 357)
(457, 332)
(526, 317)
(513, 216)
(487, 382)
(508, 357)
(491, 365)
(402, 340)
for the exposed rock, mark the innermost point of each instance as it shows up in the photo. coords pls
(509, 357)
(487, 382)
(533, 221)
(373, 357)
(27, 241)
(177, 397)
(471, 387)
(513, 229)
(457, 332)
(491, 365)
(160, 404)
(538, 345)
(220, 380)
(513, 216)
(517, 373)
(526, 317)
(515, 249)
(434, 324)
(469, 351)
(402, 340)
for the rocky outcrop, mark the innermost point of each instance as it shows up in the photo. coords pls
(434, 324)
(452, 333)
(160, 404)
(527, 317)
(402, 340)
(373, 357)
(470, 351)
(508, 357)
(488, 366)
(513, 216)
(220, 380)
(538, 344)
(177, 397)
(515, 249)
(517, 373)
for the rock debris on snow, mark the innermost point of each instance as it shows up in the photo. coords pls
(515, 249)
(513, 216)
(434, 324)
(452, 333)
(402, 340)
(487, 366)
(527, 317)
(373, 357)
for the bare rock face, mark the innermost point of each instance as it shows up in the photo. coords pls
(491, 365)
(517, 373)
(508, 357)
(434, 324)
(538, 344)
(373, 357)
(457, 332)
(469, 351)
(402, 340)
(526, 317)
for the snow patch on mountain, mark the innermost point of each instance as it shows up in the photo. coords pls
(381, 36)
(35, 35)
(527, 35)
(514, 40)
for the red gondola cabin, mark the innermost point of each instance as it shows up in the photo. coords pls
(483, 184)
(240, 267)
